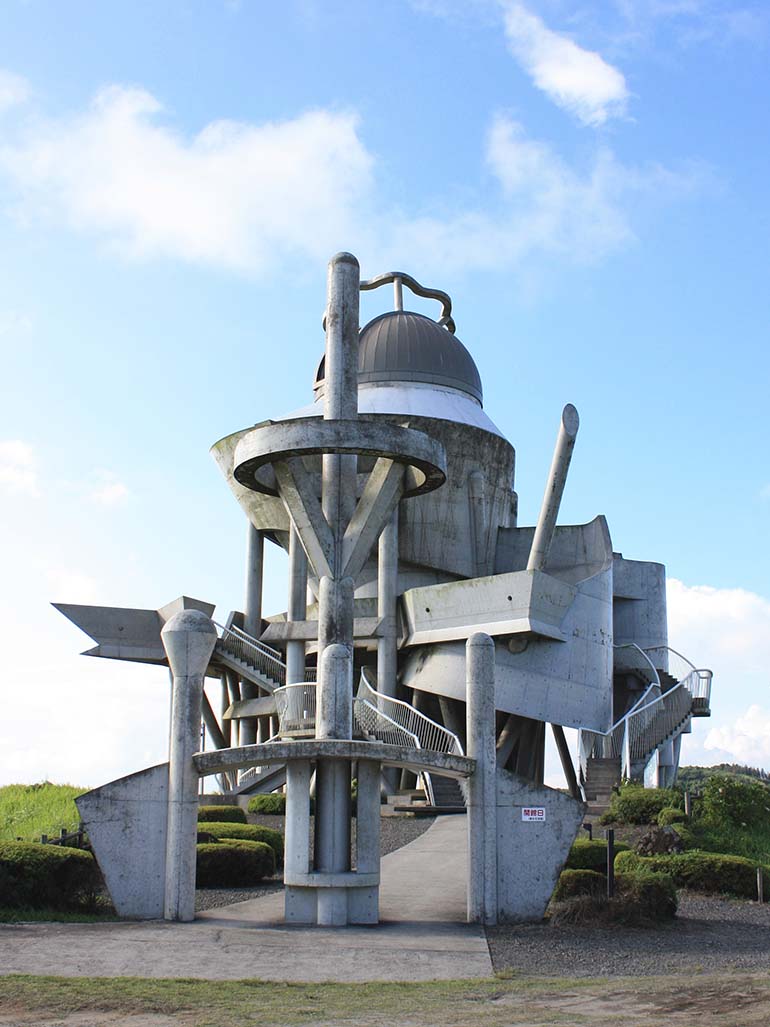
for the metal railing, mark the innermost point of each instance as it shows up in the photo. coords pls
(266, 661)
(632, 658)
(697, 680)
(429, 734)
(296, 708)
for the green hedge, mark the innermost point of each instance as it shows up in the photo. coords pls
(273, 804)
(222, 814)
(634, 804)
(39, 876)
(671, 815)
(236, 864)
(646, 896)
(700, 871)
(640, 898)
(248, 833)
(579, 882)
(586, 854)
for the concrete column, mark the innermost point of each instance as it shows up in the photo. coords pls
(387, 594)
(188, 638)
(252, 614)
(299, 903)
(554, 488)
(482, 785)
(297, 608)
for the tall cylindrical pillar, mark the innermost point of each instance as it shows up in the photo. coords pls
(297, 610)
(335, 600)
(255, 552)
(188, 638)
(482, 785)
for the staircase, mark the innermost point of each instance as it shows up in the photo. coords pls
(250, 658)
(663, 712)
(602, 775)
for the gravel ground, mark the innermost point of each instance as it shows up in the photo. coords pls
(710, 934)
(395, 831)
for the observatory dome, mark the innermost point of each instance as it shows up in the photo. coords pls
(401, 346)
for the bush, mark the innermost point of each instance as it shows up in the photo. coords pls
(700, 871)
(579, 882)
(39, 876)
(740, 803)
(222, 814)
(237, 864)
(272, 805)
(634, 804)
(671, 815)
(586, 854)
(648, 896)
(640, 899)
(248, 833)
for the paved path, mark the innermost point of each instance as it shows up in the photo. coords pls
(423, 935)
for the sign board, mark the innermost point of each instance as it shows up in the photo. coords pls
(534, 814)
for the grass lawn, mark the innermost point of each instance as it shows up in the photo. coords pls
(27, 811)
(719, 1001)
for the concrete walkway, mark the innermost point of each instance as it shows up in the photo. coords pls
(423, 935)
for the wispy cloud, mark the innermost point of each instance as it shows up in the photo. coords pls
(579, 81)
(14, 90)
(764, 492)
(252, 197)
(110, 490)
(18, 470)
(232, 195)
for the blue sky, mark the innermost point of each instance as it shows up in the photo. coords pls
(587, 180)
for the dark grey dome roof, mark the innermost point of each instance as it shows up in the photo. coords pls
(400, 346)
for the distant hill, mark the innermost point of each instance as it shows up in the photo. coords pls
(694, 778)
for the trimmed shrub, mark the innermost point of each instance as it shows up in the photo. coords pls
(586, 854)
(248, 833)
(222, 814)
(236, 864)
(671, 815)
(700, 871)
(634, 804)
(648, 896)
(272, 805)
(578, 882)
(39, 876)
(641, 899)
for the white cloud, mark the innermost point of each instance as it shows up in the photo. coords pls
(578, 80)
(251, 197)
(233, 195)
(747, 738)
(14, 90)
(728, 630)
(18, 473)
(110, 491)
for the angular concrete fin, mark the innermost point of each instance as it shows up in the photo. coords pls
(114, 625)
(184, 603)
(531, 852)
(126, 825)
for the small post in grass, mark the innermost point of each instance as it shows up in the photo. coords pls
(760, 886)
(590, 829)
(610, 834)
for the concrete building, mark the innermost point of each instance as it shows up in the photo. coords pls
(427, 644)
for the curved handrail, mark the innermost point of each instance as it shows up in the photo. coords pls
(432, 736)
(295, 705)
(646, 661)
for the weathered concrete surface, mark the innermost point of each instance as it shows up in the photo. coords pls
(424, 882)
(126, 824)
(530, 855)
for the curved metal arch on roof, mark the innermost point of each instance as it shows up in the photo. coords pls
(401, 278)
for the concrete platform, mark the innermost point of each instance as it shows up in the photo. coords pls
(423, 935)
